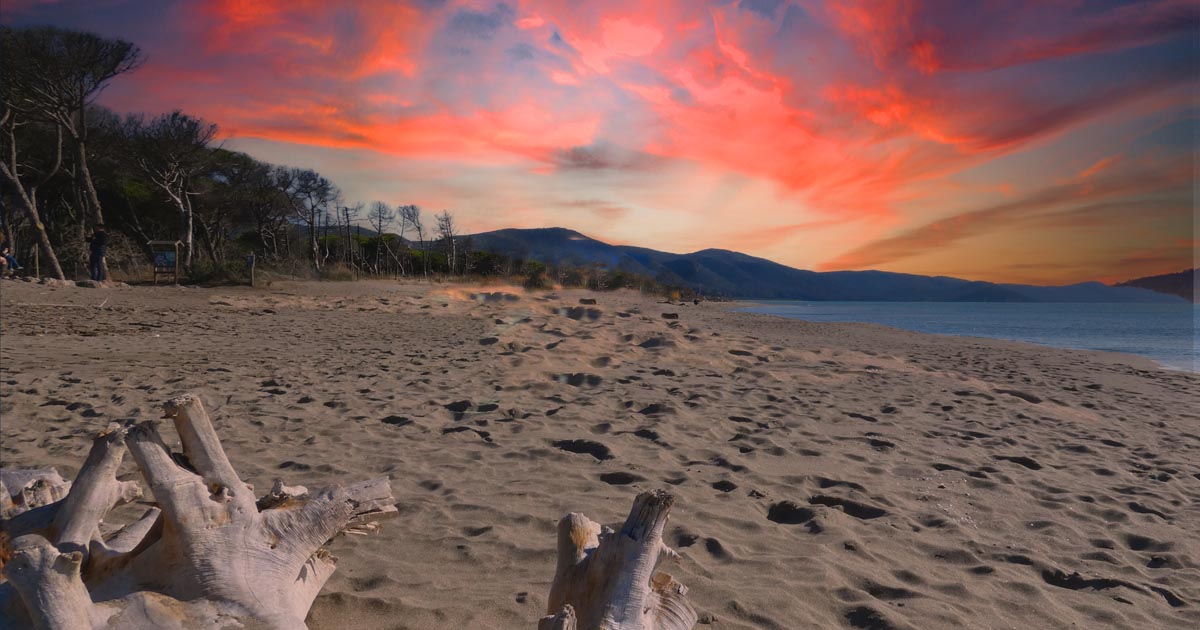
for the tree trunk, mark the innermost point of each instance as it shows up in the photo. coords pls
(210, 242)
(314, 240)
(35, 220)
(316, 251)
(208, 556)
(189, 228)
(6, 218)
(395, 258)
(135, 225)
(43, 240)
(606, 580)
(425, 255)
(90, 189)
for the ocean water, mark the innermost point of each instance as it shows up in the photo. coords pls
(1166, 333)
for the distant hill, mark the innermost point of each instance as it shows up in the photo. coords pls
(724, 273)
(1181, 283)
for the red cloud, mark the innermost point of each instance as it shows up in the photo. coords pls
(852, 110)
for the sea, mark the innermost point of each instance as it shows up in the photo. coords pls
(1166, 333)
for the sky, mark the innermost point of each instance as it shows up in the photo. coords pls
(1038, 141)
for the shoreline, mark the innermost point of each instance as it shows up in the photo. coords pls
(1132, 356)
(855, 466)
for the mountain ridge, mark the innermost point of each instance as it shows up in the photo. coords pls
(1181, 283)
(727, 273)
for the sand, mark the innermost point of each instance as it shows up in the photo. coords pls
(828, 475)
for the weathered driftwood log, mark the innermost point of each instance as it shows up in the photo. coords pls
(208, 554)
(34, 500)
(26, 489)
(606, 580)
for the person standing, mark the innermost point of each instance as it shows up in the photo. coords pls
(99, 249)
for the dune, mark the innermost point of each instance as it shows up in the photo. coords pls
(827, 475)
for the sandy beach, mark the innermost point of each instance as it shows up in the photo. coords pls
(828, 475)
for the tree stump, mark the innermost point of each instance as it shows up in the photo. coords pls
(606, 580)
(207, 555)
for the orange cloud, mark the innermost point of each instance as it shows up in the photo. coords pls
(902, 117)
(1105, 203)
(1098, 166)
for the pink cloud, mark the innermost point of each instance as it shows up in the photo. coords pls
(889, 115)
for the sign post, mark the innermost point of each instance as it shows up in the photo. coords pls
(250, 267)
(166, 259)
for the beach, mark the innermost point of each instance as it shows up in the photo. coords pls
(827, 475)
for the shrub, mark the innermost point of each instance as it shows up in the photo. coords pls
(209, 273)
(535, 276)
(338, 272)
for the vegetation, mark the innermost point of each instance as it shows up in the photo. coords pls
(69, 164)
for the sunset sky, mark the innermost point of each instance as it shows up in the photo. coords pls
(1041, 141)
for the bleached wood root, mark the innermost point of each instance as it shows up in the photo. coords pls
(564, 620)
(41, 521)
(94, 492)
(606, 580)
(208, 554)
(51, 586)
(30, 488)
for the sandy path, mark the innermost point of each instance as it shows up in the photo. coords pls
(829, 475)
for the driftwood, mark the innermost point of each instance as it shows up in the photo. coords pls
(207, 555)
(606, 580)
(26, 489)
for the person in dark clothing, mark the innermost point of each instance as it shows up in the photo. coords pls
(99, 248)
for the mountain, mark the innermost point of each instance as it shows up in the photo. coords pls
(1181, 283)
(731, 274)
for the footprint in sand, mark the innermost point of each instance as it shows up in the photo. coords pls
(867, 619)
(655, 343)
(579, 313)
(1029, 398)
(483, 435)
(579, 379)
(716, 549)
(620, 478)
(494, 297)
(852, 508)
(398, 421)
(648, 434)
(684, 538)
(585, 447)
(789, 513)
(1027, 462)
